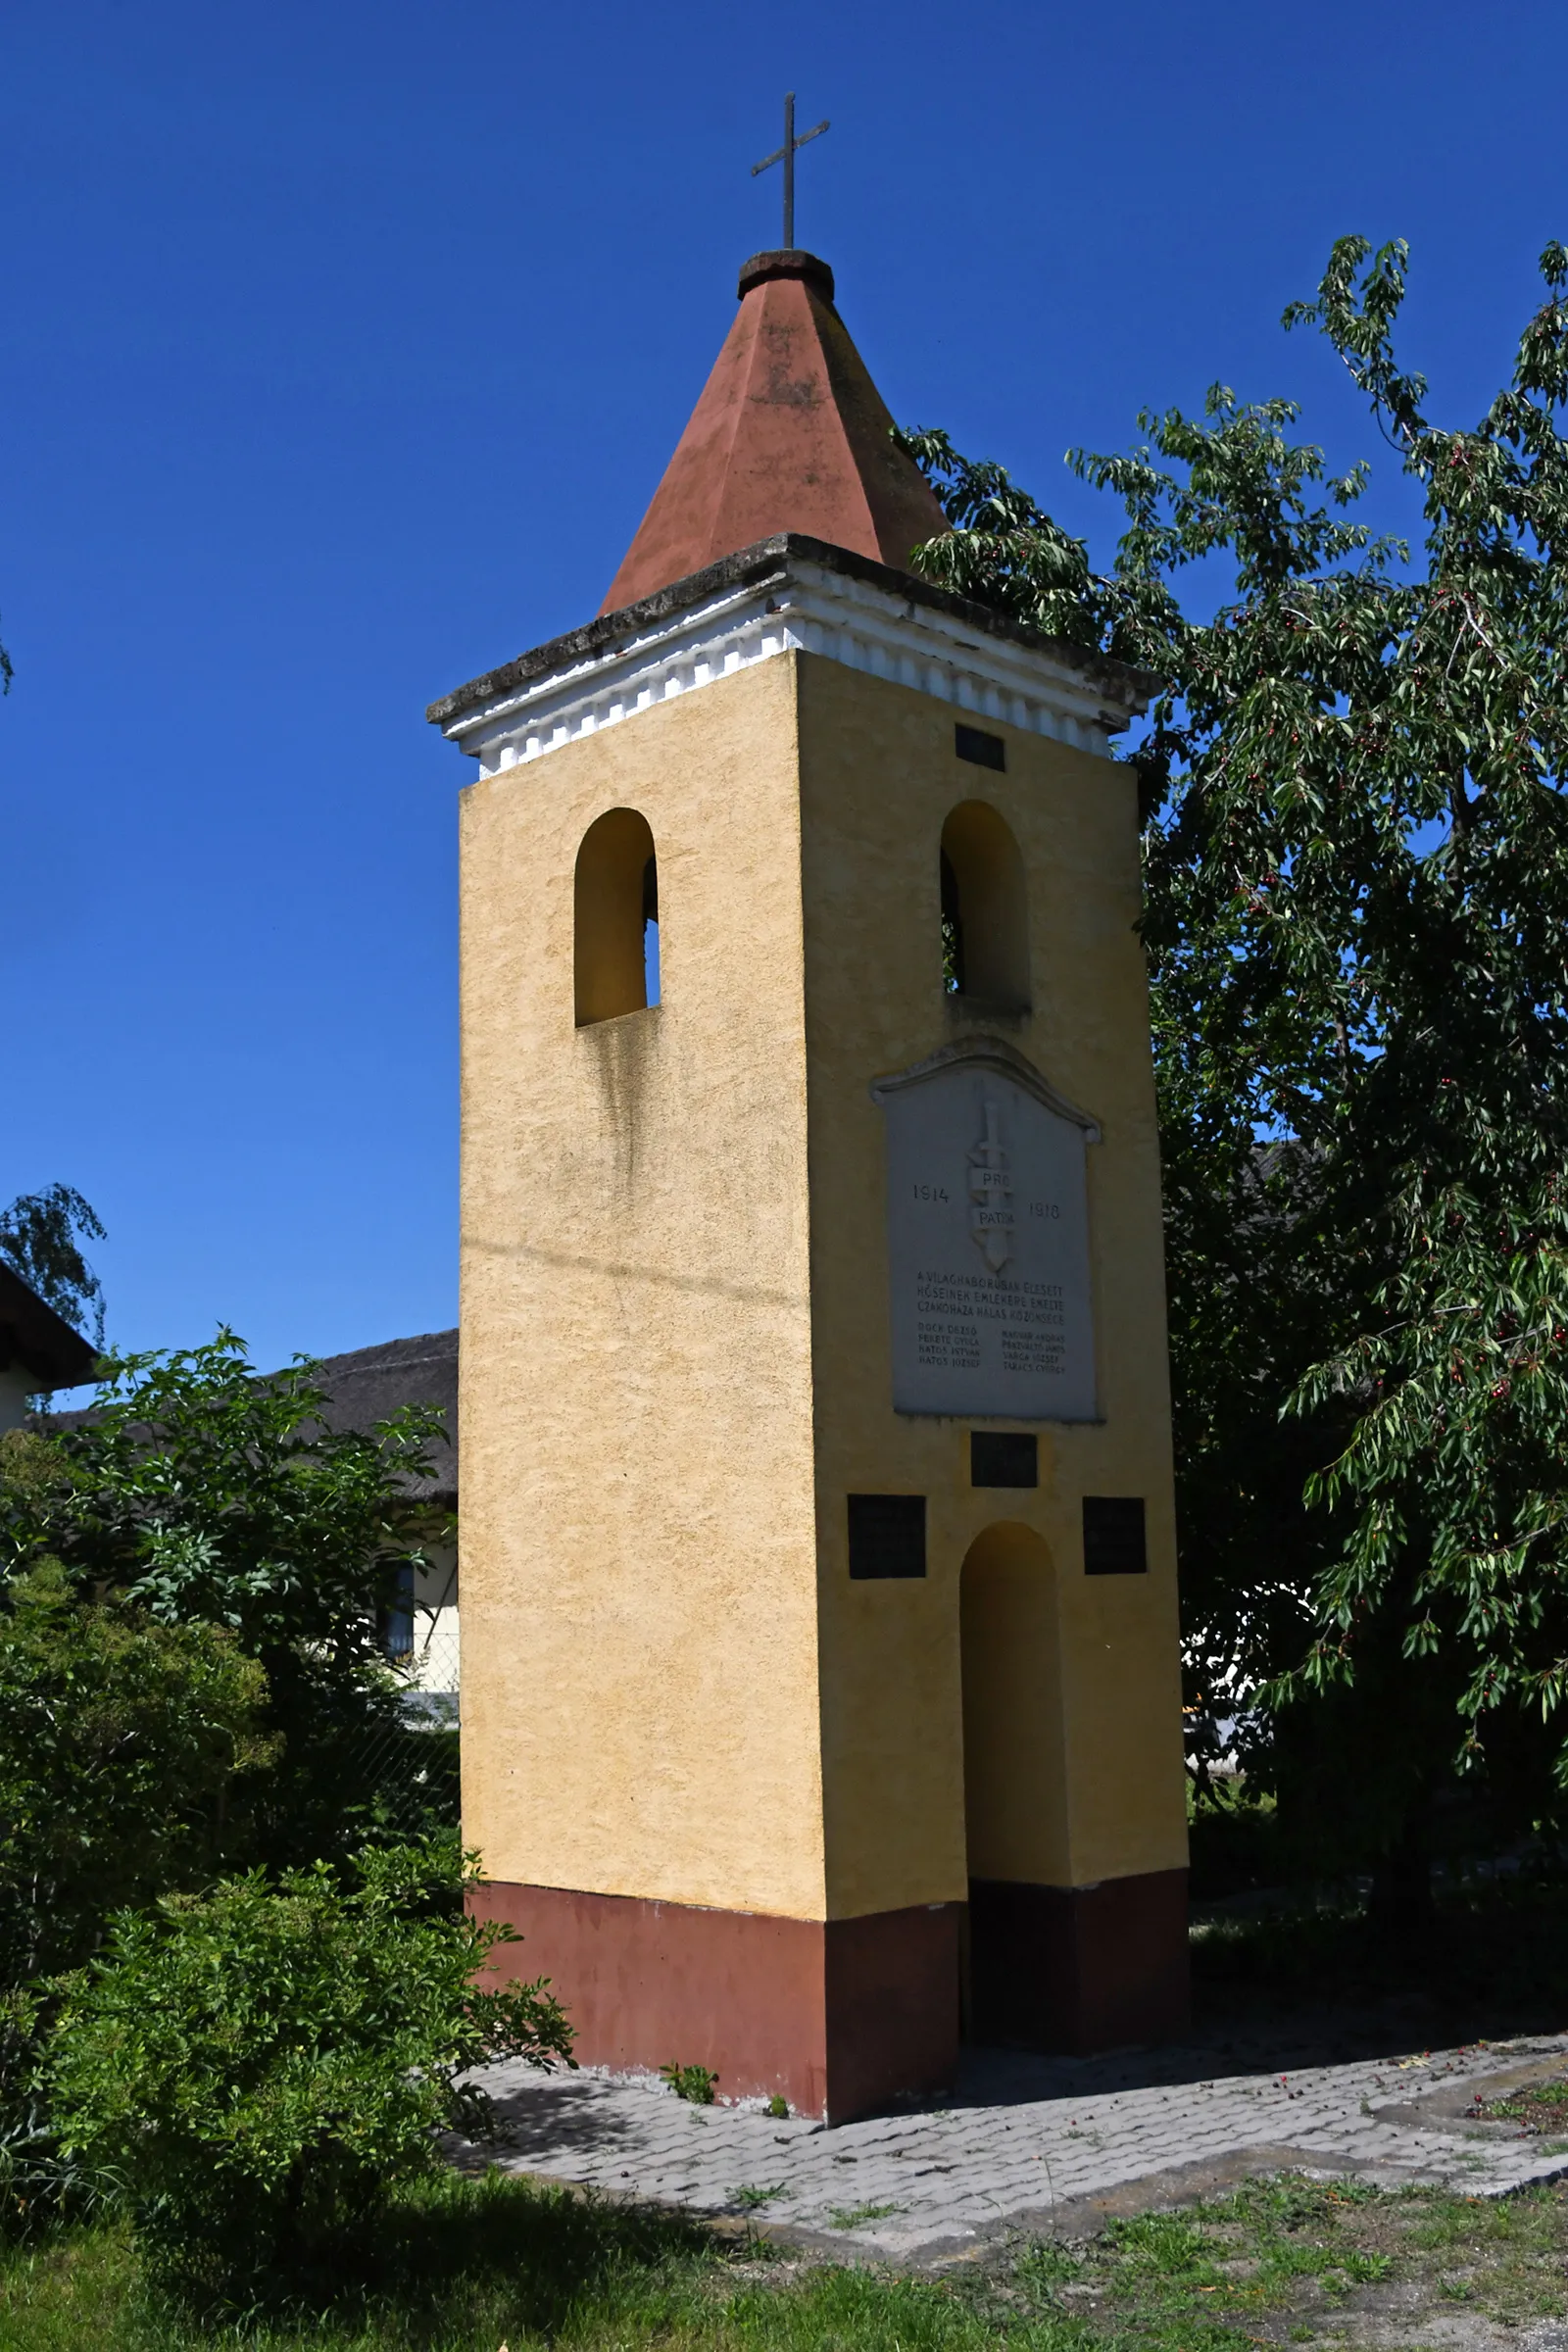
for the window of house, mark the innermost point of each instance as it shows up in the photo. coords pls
(397, 1618)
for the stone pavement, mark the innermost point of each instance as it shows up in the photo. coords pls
(1035, 2144)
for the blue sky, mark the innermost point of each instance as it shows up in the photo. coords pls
(345, 346)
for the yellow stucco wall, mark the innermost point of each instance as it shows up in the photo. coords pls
(880, 775)
(638, 1559)
(675, 1345)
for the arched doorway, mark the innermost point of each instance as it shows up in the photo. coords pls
(1014, 1780)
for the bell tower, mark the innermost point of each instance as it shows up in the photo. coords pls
(820, 1672)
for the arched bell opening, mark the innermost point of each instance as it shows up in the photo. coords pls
(985, 910)
(617, 960)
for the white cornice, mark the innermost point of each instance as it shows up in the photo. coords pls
(801, 607)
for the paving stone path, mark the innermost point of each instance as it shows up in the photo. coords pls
(1033, 2143)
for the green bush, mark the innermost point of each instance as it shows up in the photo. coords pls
(119, 1742)
(259, 2064)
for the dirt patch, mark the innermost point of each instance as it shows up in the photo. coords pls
(1537, 2107)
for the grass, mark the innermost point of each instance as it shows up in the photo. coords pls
(1290, 2261)
(468, 2265)
(471, 2265)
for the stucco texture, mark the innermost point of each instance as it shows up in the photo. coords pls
(638, 1552)
(878, 777)
(675, 1343)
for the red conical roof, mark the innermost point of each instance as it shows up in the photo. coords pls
(790, 435)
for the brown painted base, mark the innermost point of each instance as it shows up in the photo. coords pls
(1078, 1968)
(843, 2018)
(851, 2015)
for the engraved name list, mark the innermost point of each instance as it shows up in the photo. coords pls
(988, 1242)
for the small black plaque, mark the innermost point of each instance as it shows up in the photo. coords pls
(985, 751)
(1113, 1536)
(887, 1535)
(1003, 1457)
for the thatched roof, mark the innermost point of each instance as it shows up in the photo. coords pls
(367, 1386)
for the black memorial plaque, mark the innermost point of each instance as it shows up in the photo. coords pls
(1003, 1457)
(887, 1535)
(982, 750)
(1113, 1536)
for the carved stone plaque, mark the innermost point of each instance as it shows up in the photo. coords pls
(988, 1240)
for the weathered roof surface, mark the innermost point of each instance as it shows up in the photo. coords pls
(49, 1350)
(368, 1384)
(790, 434)
(759, 565)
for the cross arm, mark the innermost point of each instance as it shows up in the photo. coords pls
(779, 153)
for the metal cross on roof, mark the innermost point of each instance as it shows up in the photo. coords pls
(785, 155)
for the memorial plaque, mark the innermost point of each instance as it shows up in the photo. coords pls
(988, 1240)
(1115, 1542)
(1003, 1457)
(887, 1535)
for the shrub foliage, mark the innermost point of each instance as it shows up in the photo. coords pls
(120, 1739)
(211, 1495)
(259, 2064)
